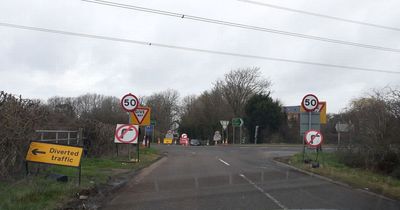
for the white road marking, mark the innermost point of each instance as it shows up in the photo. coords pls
(223, 162)
(265, 193)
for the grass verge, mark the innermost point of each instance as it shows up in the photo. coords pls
(39, 192)
(331, 167)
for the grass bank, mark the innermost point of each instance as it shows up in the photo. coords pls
(39, 192)
(331, 167)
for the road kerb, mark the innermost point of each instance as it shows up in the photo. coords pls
(332, 181)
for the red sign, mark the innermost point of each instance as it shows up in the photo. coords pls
(184, 140)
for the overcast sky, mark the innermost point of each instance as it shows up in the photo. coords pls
(41, 65)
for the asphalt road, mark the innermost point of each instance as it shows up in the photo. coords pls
(235, 177)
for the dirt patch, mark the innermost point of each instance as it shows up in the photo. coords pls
(96, 196)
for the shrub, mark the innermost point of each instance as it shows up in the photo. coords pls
(351, 158)
(18, 120)
(388, 162)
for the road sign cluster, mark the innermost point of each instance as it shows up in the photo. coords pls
(310, 103)
(138, 116)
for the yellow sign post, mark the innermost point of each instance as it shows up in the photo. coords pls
(55, 154)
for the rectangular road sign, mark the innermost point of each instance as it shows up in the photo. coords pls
(238, 122)
(167, 140)
(320, 109)
(141, 116)
(54, 154)
(304, 124)
(323, 112)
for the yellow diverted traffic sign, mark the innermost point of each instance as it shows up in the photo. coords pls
(54, 154)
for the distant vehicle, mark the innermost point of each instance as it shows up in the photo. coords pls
(195, 142)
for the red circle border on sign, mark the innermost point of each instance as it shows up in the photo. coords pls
(129, 127)
(305, 138)
(137, 101)
(302, 104)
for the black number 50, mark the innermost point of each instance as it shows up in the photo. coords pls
(311, 102)
(131, 102)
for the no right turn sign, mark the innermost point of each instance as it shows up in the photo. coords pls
(126, 134)
(313, 138)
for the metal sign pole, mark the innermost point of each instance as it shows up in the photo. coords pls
(152, 136)
(137, 147)
(240, 134)
(80, 173)
(255, 135)
(129, 146)
(137, 150)
(116, 145)
(129, 152)
(227, 134)
(309, 128)
(27, 168)
(233, 134)
(223, 136)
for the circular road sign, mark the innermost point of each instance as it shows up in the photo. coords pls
(310, 102)
(313, 138)
(217, 136)
(129, 102)
(122, 131)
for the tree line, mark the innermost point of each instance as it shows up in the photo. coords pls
(372, 142)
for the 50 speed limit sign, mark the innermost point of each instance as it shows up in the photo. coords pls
(309, 102)
(129, 102)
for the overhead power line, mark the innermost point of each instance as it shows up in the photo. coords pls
(243, 26)
(92, 36)
(320, 15)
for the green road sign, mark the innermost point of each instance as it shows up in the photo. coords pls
(153, 122)
(238, 122)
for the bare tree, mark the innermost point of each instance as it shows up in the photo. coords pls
(201, 115)
(239, 85)
(165, 108)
